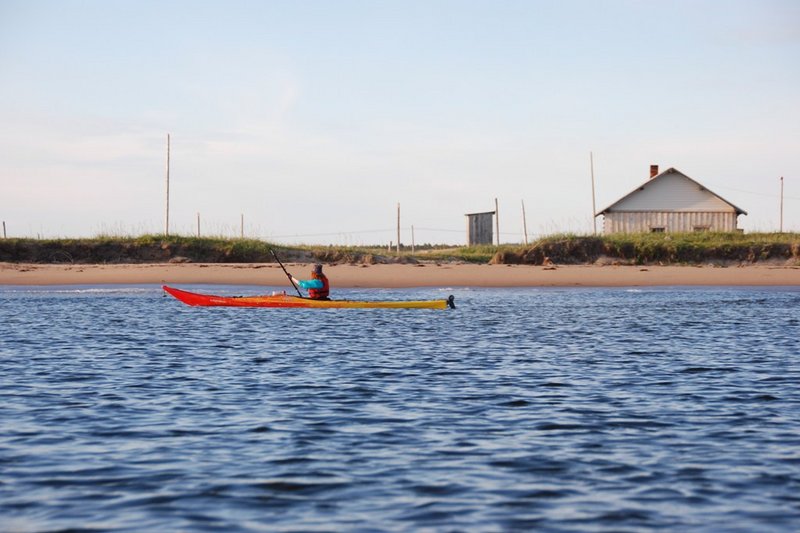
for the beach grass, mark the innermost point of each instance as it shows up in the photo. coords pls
(658, 248)
(644, 248)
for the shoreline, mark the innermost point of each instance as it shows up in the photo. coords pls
(401, 275)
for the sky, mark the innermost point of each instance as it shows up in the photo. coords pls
(310, 121)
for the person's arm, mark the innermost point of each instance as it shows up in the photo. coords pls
(308, 283)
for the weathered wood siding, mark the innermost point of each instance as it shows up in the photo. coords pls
(645, 221)
(670, 202)
(479, 228)
(672, 192)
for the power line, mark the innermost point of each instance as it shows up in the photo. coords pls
(440, 229)
(330, 233)
(768, 195)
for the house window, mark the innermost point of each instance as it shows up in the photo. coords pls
(657, 229)
(702, 228)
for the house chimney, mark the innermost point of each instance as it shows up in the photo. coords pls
(653, 171)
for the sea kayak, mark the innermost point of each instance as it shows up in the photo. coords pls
(287, 300)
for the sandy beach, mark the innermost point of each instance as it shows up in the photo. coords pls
(399, 276)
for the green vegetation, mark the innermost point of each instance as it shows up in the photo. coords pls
(143, 249)
(658, 248)
(468, 254)
(649, 248)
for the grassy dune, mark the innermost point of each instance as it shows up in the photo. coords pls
(658, 248)
(691, 248)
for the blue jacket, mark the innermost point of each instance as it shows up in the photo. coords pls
(310, 283)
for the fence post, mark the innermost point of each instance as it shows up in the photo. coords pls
(497, 220)
(166, 209)
(781, 228)
(524, 222)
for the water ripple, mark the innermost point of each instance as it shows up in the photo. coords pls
(536, 409)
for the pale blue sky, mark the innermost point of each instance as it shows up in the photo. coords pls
(314, 119)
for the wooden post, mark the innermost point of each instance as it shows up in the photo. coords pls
(166, 214)
(524, 222)
(198, 224)
(398, 228)
(497, 220)
(594, 205)
(412, 239)
(781, 204)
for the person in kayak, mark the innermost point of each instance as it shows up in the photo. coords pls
(318, 287)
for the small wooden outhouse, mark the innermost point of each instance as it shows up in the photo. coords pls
(479, 228)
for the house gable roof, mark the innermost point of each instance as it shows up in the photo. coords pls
(704, 195)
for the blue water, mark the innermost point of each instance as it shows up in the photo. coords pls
(536, 409)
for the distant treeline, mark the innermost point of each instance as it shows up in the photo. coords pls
(693, 248)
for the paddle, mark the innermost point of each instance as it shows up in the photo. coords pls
(285, 272)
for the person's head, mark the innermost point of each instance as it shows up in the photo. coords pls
(317, 271)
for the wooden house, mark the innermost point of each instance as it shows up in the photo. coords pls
(670, 202)
(479, 228)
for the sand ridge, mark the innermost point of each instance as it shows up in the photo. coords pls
(400, 275)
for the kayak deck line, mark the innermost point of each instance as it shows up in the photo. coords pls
(289, 301)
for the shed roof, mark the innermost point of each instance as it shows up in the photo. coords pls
(483, 213)
(669, 171)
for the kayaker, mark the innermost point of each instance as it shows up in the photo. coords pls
(318, 287)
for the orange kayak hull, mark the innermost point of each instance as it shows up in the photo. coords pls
(289, 301)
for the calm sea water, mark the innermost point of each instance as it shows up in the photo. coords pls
(535, 409)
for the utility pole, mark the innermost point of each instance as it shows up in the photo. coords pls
(198, 224)
(398, 228)
(781, 204)
(594, 205)
(4, 229)
(413, 250)
(166, 214)
(524, 222)
(241, 226)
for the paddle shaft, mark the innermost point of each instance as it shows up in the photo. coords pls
(286, 272)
